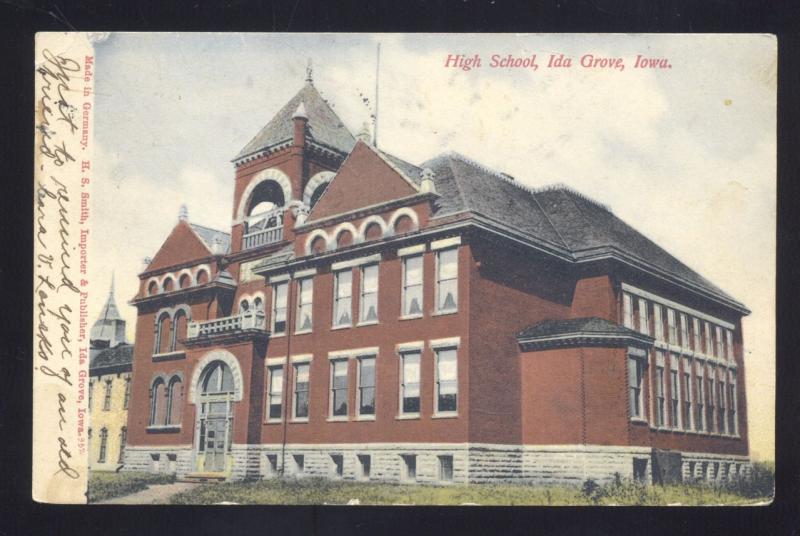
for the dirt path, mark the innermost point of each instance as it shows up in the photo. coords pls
(154, 494)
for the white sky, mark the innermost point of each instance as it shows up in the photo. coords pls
(685, 155)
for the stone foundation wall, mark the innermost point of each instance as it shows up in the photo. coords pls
(471, 463)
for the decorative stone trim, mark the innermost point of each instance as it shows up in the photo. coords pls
(227, 358)
(584, 339)
(273, 174)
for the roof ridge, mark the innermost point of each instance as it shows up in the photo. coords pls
(483, 167)
(562, 186)
(209, 228)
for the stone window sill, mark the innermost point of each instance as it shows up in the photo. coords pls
(444, 416)
(408, 417)
(170, 356)
(163, 428)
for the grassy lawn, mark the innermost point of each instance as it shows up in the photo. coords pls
(106, 485)
(323, 491)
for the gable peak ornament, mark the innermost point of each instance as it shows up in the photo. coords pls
(427, 185)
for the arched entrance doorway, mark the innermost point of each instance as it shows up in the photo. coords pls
(216, 396)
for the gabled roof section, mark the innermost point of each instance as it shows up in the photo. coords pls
(557, 216)
(324, 126)
(187, 242)
(580, 332)
(119, 357)
(367, 177)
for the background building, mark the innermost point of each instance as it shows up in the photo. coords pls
(110, 364)
(371, 319)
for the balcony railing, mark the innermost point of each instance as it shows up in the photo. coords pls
(229, 325)
(262, 238)
(262, 229)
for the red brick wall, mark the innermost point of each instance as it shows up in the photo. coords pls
(181, 245)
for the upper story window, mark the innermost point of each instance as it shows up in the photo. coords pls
(672, 326)
(409, 383)
(718, 342)
(644, 326)
(686, 388)
(635, 379)
(301, 382)
(733, 426)
(305, 304)
(446, 380)
(627, 310)
(412, 286)
(729, 345)
(339, 384)
(700, 416)
(658, 322)
(127, 397)
(366, 385)
(342, 298)
(103, 445)
(279, 297)
(275, 393)
(697, 335)
(369, 294)
(660, 400)
(163, 334)
(180, 324)
(107, 396)
(684, 330)
(447, 280)
(674, 397)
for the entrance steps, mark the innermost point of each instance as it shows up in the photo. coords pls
(203, 478)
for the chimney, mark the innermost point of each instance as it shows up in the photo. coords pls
(300, 119)
(427, 185)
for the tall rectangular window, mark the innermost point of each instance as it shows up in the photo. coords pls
(103, 446)
(687, 399)
(696, 335)
(339, 388)
(635, 378)
(123, 439)
(409, 386)
(412, 286)
(658, 322)
(722, 422)
(301, 373)
(728, 345)
(369, 295)
(660, 399)
(275, 395)
(718, 342)
(446, 380)
(409, 467)
(672, 326)
(446, 468)
(707, 336)
(107, 396)
(127, 398)
(279, 297)
(342, 298)
(674, 397)
(699, 421)
(644, 324)
(305, 305)
(366, 385)
(733, 427)
(711, 410)
(627, 310)
(684, 330)
(447, 280)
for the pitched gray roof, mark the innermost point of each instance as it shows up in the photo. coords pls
(589, 325)
(324, 126)
(213, 238)
(119, 356)
(557, 216)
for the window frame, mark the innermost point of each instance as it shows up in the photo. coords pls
(437, 350)
(103, 449)
(700, 409)
(439, 280)
(405, 286)
(275, 309)
(359, 388)
(362, 294)
(405, 354)
(627, 311)
(332, 389)
(660, 398)
(686, 401)
(336, 299)
(301, 282)
(675, 398)
(441, 468)
(406, 475)
(126, 399)
(107, 402)
(295, 374)
(643, 317)
(638, 370)
(271, 369)
(123, 439)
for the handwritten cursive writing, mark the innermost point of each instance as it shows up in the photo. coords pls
(56, 70)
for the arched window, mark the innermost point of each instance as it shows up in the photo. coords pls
(344, 238)
(162, 340)
(244, 306)
(318, 245)
(267, 196)
(373, 232)
(185, 281)
(157, 406)
(152, 288)
(202, 277)
(168, 285)
(123, 438)
(404, 224)
(318, 193)
(179, 325)
(174, 401)
(258, 305)
(103, 445)
(219, 379)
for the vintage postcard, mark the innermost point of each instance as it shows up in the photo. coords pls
(404, 269)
